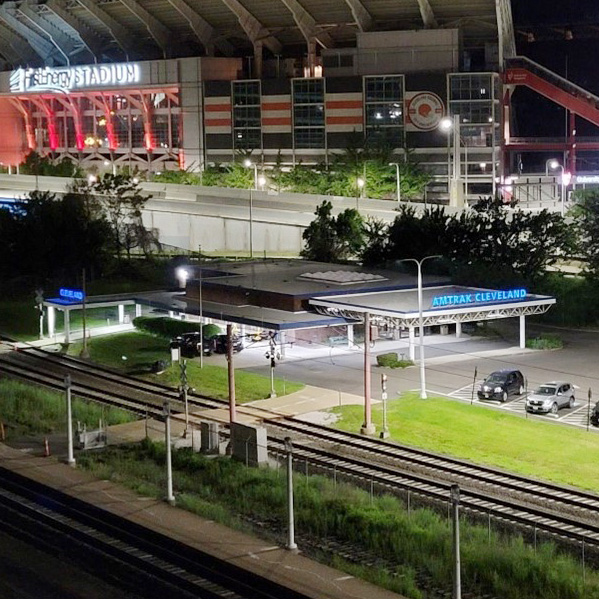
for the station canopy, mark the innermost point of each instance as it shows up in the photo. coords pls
(440, 305)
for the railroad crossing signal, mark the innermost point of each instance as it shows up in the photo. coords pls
(384, 383)
(183, 367)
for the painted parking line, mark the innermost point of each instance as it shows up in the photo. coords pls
(469, 394)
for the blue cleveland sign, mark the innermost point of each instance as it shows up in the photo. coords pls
(480, 297)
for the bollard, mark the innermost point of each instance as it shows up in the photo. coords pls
(46, 447)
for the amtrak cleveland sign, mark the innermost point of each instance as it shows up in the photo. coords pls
(67, 79)
(479, 297)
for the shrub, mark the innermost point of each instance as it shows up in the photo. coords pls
(171, 327)
(387, 359)
(545, 342)
(391, 360)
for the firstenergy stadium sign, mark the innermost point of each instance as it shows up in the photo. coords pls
(67, 79)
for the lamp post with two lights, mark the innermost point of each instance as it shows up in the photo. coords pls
(421, 319)
(456, 186)
(553, 164)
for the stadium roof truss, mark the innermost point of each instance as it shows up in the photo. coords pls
(62, 32)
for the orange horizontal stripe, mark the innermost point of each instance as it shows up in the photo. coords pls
(282, 120)
(217, 107)
(337, 104)
(276, 105)
(344, 120)
(217, 122)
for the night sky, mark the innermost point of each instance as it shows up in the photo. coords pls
(574, 59)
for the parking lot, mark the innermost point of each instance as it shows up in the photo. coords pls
(577, 416)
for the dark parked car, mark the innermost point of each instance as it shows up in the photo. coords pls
(595, 415)
(220, 344)
(189, 344)
(501, 384)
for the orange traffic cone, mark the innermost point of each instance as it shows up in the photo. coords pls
(46, 447)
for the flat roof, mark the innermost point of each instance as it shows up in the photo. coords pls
(291, 277)
(267, 318)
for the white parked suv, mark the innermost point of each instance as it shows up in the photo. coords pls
(550, 397)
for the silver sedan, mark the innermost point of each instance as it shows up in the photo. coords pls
(550, 397)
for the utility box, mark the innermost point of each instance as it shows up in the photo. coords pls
(249, 444)
(210, 437)
(91, 439)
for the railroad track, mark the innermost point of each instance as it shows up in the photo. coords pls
(570, 513)
(153, 564)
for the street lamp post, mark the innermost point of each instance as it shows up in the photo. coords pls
(201, 310)
(421, 320)
(553, 164)
(248, 164)
(359, 186)
(397, 181)
(456, 189)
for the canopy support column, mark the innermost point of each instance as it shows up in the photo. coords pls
(522, 331)
(367, 427)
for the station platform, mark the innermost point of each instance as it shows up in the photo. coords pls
(288, 568)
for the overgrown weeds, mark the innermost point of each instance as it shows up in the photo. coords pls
(416, 542)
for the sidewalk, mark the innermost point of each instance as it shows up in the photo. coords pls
(288, 568)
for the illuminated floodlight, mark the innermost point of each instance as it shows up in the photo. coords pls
(445, 124)
(91, 179)
(182, 274)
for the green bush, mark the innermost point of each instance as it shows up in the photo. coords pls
(545, 342)
(387, 359)
(172, 327)
(391, 360)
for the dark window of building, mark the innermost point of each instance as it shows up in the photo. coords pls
(474, 97)
(383, 106)
(308, 113)
(247, 115)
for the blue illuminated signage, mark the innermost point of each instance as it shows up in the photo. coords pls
(72, 295)
(480, 297)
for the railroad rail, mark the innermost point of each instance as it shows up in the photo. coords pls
(566, 512)
(170, 568)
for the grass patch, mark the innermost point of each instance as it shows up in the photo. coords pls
(532, 447)
(410, 551)
(20, 319)
(545, 342)
(141, 350)
(30, 410)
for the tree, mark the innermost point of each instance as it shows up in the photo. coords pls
(489, 245)
(53, 237)
(122, 202)
(510, 245)
(413, 236)
(375, 250)
(586, 221)
(330, 239)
